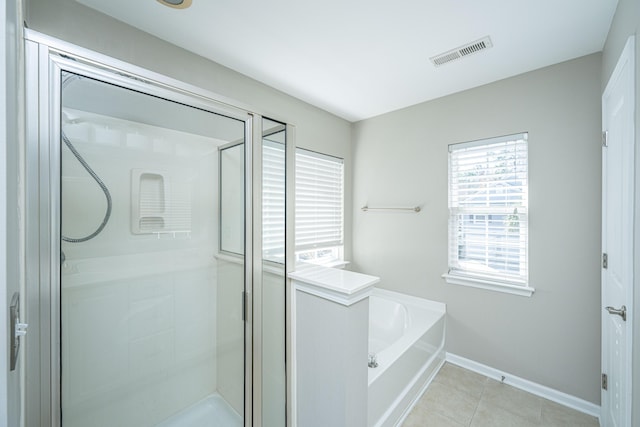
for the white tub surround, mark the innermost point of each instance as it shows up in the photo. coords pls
(406, 335)
(330, 328)
(333, 284)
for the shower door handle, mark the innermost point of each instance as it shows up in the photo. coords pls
(16, 330)
(622, 311)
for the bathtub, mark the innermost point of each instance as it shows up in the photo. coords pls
(406, 338)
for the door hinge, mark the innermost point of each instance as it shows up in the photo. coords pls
(604, 381)
(605, 261)
(605, 138)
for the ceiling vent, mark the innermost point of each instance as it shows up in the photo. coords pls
(462, 51)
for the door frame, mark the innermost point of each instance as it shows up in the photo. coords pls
(625, 61)
(45, 58)
(11, 248)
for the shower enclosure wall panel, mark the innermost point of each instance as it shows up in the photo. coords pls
(188, 172)
(141, 315)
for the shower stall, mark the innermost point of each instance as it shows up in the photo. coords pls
(154, 297)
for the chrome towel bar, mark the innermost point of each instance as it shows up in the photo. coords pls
(412, 209)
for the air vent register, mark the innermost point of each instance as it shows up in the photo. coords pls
(462, 51)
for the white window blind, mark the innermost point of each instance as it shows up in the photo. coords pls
(319, 200)
(273, 200)
(488, 209)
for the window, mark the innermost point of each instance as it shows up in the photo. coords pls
(273, 196)
(319, 207)
(488, 214)
(319, 204)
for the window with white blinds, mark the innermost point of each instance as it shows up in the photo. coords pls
(273, 198)
(319, 200)
(488, 210)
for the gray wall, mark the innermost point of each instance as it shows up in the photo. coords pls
(315, 129)
(626, 22)
(400, 158)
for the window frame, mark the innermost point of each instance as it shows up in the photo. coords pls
(491, 279)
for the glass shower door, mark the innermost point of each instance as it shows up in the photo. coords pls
(151, 326)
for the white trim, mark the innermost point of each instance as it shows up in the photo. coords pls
(526, 385)
(524, 136)
(524, 291)
(336, 263)
(333, 295)
(341, 286)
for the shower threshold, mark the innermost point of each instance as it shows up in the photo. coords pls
(212, 411)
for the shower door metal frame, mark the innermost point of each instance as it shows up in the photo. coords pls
(45, 59)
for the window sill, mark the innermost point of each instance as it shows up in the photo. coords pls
(335, 263)
(524, 291)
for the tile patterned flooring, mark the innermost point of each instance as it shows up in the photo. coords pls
(458, 397)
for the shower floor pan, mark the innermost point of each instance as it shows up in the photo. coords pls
(212, 411)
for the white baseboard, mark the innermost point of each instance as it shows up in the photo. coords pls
(526, 385)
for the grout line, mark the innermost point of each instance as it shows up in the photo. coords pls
(463, 390)
(475, 411)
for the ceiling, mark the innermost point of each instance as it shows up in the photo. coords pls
(361, 58)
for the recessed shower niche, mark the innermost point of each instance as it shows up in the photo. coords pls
(160, 202)
(147, 202)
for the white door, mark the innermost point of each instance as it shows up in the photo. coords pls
(617, 240)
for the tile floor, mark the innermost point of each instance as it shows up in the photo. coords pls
(458, 397)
